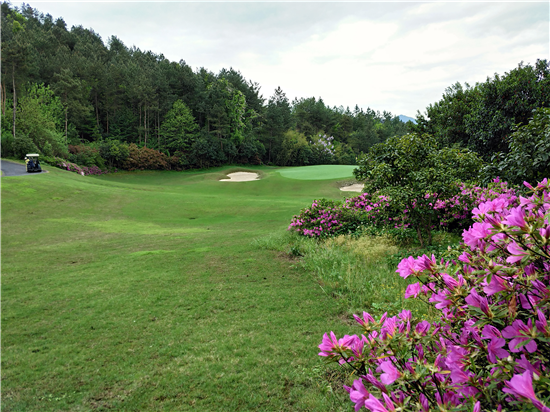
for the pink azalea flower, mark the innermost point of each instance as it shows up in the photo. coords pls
(450, 282)
(390, 375)
(525, 365)
(367, 318)
(517, 253)
(519, 332)
(521, 386)
(389, 402)
(374, 405)
(441, 297)
(517, 218)
(330, 346)
(494, 349)
(474, 299)
(358, 394)
(426, 263)
(375, 382)
(497, 284)
(407, 267)
(413, 290)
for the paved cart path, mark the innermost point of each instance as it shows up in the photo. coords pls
(15, 169)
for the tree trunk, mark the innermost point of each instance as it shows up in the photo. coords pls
(96, 112)
(145, 125)
(419, 233)
(139, 133)
(66, 122)
(14, 99)
(158, 127)
(3, 97)
(270, 140)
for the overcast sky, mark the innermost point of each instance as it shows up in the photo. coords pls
(397, 56)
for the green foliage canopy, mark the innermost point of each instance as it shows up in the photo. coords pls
(528, 156)
(414, 171)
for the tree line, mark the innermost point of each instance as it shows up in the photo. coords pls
(65, 87)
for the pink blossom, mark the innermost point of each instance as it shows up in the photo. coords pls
(521, 386)
(367, 318)
(390, 375)
(358, 394)
(374, 405)
(474, 299)
(517, 253)
(497, 284)
(519, 333)
(413, 290)
(407, 267)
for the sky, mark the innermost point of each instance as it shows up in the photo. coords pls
(393, 56)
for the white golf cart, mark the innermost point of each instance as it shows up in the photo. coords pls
(33, 165)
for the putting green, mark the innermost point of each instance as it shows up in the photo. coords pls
(320, 172)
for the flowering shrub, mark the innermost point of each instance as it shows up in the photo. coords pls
(329, 218)
(324, 218)
(82, 170)
(323, 149)
(490, 347)
(456, 211)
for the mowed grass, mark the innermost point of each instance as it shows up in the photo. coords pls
(145, 292)
(319, 172)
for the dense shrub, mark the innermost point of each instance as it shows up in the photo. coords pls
(490, 347)
(85, 155)
(528, 156)
(114, 152)
(147, 159)
(416, 171)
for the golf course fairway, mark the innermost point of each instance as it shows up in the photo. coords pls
(318, 172)
(145, 292)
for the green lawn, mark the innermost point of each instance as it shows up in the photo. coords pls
(319, 172)
(145, 291)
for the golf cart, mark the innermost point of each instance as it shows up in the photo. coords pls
(33, 165)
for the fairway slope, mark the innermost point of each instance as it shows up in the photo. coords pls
(143, 291)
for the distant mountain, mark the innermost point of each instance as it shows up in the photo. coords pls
(406, 119)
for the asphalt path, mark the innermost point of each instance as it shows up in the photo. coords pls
(14, 169)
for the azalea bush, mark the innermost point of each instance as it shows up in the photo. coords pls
(489, 347)
(325, 218)
(81, 170)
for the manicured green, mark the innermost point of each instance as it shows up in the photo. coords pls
(319, 172)
(146, 291)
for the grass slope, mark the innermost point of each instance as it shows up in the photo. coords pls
(319, 172)
(143, 291)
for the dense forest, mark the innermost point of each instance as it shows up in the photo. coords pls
(68, 94)
(63, 88)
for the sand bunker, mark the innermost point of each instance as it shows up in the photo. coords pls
(357, 187)
(241, 177)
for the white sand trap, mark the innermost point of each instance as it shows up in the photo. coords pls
(357, 187)
(241, 177)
